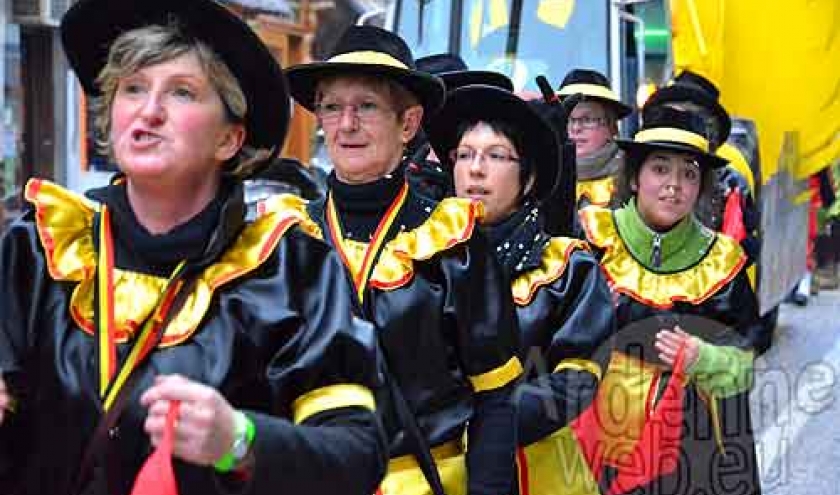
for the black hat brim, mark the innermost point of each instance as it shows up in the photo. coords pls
(481, 102)
(456, 79)
(677, 93)
(636, 152)
(90, 27)
(621, 109)
(592, 92)
(303, 81)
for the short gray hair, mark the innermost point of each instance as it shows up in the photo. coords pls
(150, 45)
(397, 95)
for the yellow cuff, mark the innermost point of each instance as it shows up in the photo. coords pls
(499, 377)
(332, 397)
(580, 365)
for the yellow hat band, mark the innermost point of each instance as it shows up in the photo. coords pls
(589, 90)
(673, 135)
(367, 58)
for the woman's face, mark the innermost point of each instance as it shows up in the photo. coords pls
(667, 189)
(589, 128)
(487, 169)
(365, 136)
(168, 124)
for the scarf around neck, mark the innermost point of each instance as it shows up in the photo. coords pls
(602, 163)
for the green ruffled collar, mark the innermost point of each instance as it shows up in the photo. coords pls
(663, 252)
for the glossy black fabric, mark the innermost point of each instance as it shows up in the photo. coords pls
(453, 319)
(571, 317)
(727, 318)
(267, 338)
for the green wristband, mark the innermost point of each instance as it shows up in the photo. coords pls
(244, 433)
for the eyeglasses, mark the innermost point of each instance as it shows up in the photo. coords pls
(587, 122)
(495, 156)
(330, 113)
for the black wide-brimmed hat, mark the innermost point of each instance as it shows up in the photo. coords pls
(669, 129)
(90, 27)
(454, 72)
(593, 86)
(488, 103)
(690, 87)
(367, 50)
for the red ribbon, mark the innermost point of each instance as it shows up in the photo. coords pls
(157, 477)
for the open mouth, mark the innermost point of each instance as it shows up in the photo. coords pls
(476, 191)
(140, 136)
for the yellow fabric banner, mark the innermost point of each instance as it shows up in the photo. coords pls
(775, 62)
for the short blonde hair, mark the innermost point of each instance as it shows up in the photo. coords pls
(154, 44)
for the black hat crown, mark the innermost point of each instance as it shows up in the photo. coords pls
(672, 118)
(374, 39)
(367, 51)
(441, 63)
(669, 129)
(690, 87)
(593, 86)
(585, 76)
(696, 80)
(455, 73)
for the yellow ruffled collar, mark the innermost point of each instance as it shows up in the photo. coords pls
(555, 258)
(452, 222)
(65, 228)
(598, 192)
(693, 285)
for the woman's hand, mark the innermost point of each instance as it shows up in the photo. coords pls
(204, 430)
(668, 343)
(7, 402)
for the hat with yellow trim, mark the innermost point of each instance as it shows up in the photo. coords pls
(454, 72)
(690, 87)
(90, 27)
(367, 50)
(593, 86)
(669, 129)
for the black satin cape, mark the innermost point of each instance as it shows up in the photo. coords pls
(275, 335)
(442, 307)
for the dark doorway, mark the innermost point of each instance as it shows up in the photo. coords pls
(39, 138)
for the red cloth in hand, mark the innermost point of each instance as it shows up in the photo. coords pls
(157, 477)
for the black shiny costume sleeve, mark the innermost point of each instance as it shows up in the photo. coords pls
(479, 298)
(569, 319)
(330, 451)
(481, 302)
(267, 339)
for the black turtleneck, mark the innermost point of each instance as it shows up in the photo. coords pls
(361, 206)
(513, 238)
(140, 250)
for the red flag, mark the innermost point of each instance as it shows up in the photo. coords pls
(588, 432)
(157, 477)
(733, 216)
(657, 452)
